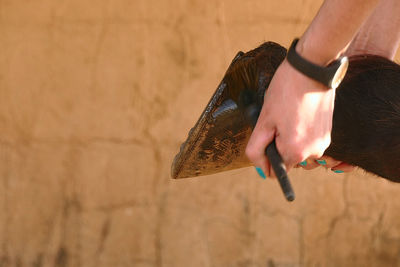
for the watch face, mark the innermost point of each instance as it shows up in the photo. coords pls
(340, 73)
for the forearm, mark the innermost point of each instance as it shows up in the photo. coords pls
(380, 33)
(333, 28)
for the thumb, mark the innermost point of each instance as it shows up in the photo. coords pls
(263, 134)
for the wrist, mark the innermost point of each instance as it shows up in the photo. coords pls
(316, 52)
(306, 84)
(329, 75)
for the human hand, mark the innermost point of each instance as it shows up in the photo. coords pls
(298, 113)
(326, 162)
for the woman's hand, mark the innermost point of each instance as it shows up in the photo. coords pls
(298, 113)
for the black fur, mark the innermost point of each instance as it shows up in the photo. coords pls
(366, 120)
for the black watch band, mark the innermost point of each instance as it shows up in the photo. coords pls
(330, 76)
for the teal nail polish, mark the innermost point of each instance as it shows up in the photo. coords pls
(260, 172)
(338, 171)
(303, 163)
(321, 161)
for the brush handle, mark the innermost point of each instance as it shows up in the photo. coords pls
(280, 170)
(273, 155)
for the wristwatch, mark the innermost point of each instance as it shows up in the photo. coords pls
(330, 75)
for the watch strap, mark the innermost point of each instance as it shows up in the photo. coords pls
(321, 74)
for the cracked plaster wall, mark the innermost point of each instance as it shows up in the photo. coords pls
(95, 99)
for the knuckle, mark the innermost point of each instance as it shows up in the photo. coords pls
(295, 154)
(298, 151)
(319, 150)
(297, 157)
(317, 154)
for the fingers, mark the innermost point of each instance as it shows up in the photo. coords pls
(308, 164)
(344, 167)
(270, 171)
(326, 162)
(255, 150)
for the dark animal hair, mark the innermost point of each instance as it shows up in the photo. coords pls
(366, 120)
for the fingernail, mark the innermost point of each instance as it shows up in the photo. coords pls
(260, 172)
(321, 161)
(338, 171)
(303, 163)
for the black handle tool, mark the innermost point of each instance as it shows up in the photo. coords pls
(252, 112)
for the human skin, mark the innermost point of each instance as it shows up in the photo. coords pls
(302, 126)
(378, 35)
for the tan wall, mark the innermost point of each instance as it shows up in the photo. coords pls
(95, 99)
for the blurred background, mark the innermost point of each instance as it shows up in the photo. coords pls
(95, 99)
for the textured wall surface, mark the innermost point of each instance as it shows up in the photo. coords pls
(95, 99)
